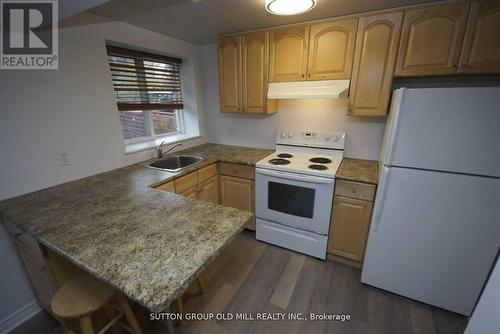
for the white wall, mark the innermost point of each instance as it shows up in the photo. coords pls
(486, 316)
(72, 108)
(364, 135)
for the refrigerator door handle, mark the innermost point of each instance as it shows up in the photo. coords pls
(392, 130)
(380, 200)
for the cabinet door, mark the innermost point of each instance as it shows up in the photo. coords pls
(481, 51)
(255, 54)
(331, 49)
(186, 182)
(37, 273)
(169, 187)
(288, 54)
(374, 60)
(191, 192)
(431, 40)
(238, 193)
(230, 73)
(209, 191)
(349, 227)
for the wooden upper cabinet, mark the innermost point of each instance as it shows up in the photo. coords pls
(481, 50)
(374, 59)
(431, 40)
(288, 54)
(255, 54)
(230, 73)
(331, 49)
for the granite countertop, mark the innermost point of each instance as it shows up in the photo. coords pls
(217, 153)
(147, 243)
(358, 170)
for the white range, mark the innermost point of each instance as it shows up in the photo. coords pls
(294, 190)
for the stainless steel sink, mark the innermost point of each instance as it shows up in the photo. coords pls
(175, 163)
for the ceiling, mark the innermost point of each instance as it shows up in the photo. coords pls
(201, 22)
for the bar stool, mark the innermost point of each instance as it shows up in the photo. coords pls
(180, 303)
(83, 295)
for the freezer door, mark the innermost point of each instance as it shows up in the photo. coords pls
(447, 129)
(433, 236)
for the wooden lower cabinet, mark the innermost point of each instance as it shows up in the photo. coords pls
(191, 192)
(238, 193)
(202, 184)
(350, 220)
(34, 265)
(235, 187)
(36, 270)
(209, 190)
(169, 187)
(186, 183)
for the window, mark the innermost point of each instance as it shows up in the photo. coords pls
(148, 93)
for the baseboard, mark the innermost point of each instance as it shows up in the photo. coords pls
(343, 260)
(17, 318)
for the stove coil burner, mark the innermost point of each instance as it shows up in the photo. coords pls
(279, 161)
(318, 167)
(285, 155)
(320, 160)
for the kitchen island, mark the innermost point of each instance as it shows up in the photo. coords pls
(146, 243)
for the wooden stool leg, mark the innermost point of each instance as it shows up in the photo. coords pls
(129, 314)
(200, 285)
(66, 326)
(110, 314)
(180, 309)
(86, 325)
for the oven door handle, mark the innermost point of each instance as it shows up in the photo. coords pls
(296, 177)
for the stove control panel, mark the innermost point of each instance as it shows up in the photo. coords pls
(334, 140)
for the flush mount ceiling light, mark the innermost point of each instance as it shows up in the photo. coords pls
(289, 7)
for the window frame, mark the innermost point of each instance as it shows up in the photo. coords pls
(139, 57)
(180, 129)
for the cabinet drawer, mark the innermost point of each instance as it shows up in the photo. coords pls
(185, 182)
(246, 172)
(207, 173)
(355, 190)
(169, 187)
(191, 192)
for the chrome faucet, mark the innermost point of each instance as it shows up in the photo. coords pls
(159, 149)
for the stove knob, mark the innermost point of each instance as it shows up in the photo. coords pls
(283, 134)
(336, 138)
(290, 134)
(327, 136)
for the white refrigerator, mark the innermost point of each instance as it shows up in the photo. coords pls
(435, 229)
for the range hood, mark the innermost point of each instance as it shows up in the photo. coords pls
(325, 89)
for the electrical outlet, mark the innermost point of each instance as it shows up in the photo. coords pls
(230, 132)
(63, 158)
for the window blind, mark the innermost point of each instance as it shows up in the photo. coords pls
(145, 81)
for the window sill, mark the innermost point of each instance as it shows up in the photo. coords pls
(147, 145)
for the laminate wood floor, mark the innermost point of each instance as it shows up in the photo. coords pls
(251, 277)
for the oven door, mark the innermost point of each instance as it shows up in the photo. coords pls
(296, 200)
